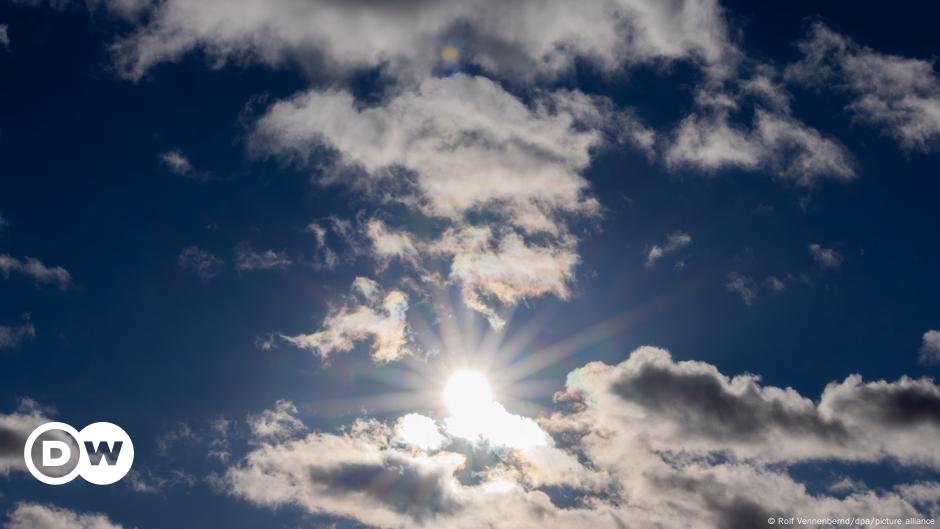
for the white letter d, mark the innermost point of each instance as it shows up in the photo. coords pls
(64, 453)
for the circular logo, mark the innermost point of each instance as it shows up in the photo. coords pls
(102, 453)
(59, 446)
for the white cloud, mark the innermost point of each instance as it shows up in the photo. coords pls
(825, 257)
(505, 268)
(14, 429)
(278, 424)
(899, 95)
(743, 286)
(203, 263)
(247, 259)
(451, 149)
(650, 442)
(675, 241)
(775, 142)
(469, 144)
(525, 38)
(418, 431)
(379, 319)
(177, 162)
(930, 348)
(389, 244)
(4, 37)
(36, 270)
(37, 516)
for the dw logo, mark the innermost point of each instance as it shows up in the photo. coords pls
(102, 453)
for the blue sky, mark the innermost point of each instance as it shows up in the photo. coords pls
(692, 248)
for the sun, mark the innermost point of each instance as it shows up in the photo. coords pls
(467, 393)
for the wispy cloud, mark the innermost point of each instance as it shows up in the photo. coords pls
(825, 257)
(675, 241)
(930, 348)
(899, 95)
(36, 270)
(743, 286)
(13, 337)
(372, 316)
(247, 259)
(203, 263)
(27, 515)
(177, 162)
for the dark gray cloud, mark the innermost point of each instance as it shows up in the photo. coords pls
(703, 404)
(396, 483)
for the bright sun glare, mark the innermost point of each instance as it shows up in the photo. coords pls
(467, 393)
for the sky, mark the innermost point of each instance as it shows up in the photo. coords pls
(462, 264)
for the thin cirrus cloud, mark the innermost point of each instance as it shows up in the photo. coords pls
(898, 95)
(640, 444)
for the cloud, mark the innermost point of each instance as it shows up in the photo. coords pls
(14, 429)
(649, 442)
(247, 259)
(506, 268)
(460, 150)
(325, 257)
(776, 284)
(515, 39)
(416, 430)
(390, 244)
(26, 515)
(464, 141)
(13, 337)
(203, 263)
(147, 482)
(381, 319)
(825, 257)
(776, 142)
(930, 349)
(690, 406)
(4, 37)
(743, 286)
(899, 95)
(277, 424)
(177, 162)
(675, 241)
(181, 433)
(36, 270)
